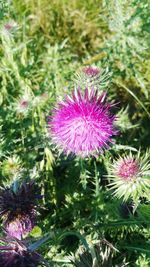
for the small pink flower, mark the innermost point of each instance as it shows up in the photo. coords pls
(129, 176)
(18, 209)
(82, 124)
(91, 71)
(24, 104)
(92, 78)
(128, 168)
(10, 26)
(21, 226)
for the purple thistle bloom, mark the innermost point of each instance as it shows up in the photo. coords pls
(91, 71)
(18, 209)
(10, 25)
(24, 104)
(92, 77)
(129, 176)
(20, 226)
(128, 168)
(82, 124)
(15, 253)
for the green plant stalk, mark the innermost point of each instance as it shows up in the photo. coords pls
(136, 98)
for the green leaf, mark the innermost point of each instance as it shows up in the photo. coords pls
(36, 232)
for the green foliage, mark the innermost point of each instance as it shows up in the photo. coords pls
(42, 54)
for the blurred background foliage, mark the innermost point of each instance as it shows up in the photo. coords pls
(42, 45)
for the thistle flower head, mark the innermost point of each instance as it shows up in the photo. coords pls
(100, 254)
(91, 71)
(12, 167)
(128, 168)
(9, 27)
(123, 122)
(92, 77)
(129, 176)
(83, 124)
(17, 208)
(15, 253)
(23, 104)
(20, 226)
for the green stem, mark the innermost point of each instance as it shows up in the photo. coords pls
(136, 98)
(96, 180)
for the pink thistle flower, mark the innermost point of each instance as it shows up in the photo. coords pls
(129, 176)
(23, 104)
(128, 168)
(91, 71)
(92, 77)
(18, 208)
(20, 226)
(82, 124)
(9, 27)
(17, 253)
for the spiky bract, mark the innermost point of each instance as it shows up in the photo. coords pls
(92, 77)
(98, 255)
(15, 253)
(12, 167)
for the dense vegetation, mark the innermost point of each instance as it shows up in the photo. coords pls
(44, 46)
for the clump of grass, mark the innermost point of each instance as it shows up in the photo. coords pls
(76, 21)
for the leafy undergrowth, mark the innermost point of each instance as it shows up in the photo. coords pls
(45, 47)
